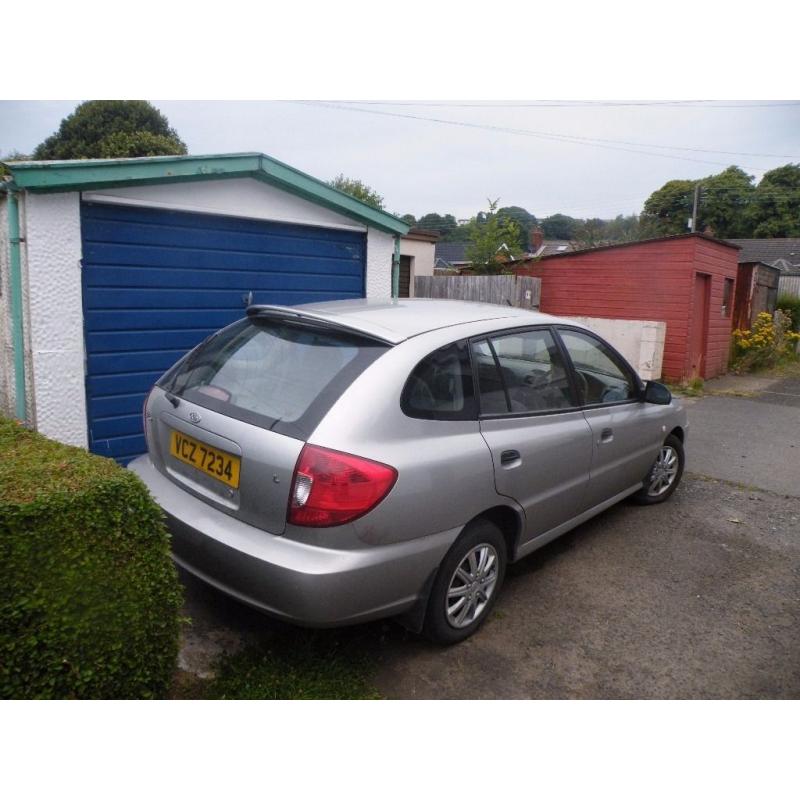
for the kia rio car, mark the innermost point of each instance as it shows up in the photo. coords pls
(339, 462)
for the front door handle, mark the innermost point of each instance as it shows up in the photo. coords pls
(508, 457)
(607, 435)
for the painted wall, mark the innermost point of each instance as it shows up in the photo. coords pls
(422, 255)
(55, 315)
(645, 281)
(640, 341)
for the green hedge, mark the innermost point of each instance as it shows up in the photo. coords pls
(89, 596)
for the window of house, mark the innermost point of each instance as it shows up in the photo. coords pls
(727, 297)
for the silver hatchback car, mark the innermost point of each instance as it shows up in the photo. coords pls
(339, 462)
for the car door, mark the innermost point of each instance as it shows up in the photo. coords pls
(626, 432)
(540, 441)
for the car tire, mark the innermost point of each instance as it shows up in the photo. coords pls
(472, 571)
(668, 467)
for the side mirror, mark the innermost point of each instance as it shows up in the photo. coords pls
(657, 393)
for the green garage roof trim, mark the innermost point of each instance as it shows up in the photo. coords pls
(68, 176)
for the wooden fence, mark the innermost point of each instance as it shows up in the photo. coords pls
(516, 290)
(789, 284)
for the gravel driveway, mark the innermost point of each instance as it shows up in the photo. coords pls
(696, 598)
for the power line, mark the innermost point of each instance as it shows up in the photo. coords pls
(609, 144)
(572, 104)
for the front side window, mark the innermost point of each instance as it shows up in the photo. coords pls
(440, 387)
(602, 376)
(521, 373)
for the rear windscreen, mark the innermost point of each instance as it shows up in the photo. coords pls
(275, 374)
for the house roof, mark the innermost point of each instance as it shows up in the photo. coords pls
(66, 176)
(781, 253)
(452, 252)
(552, 246)
(640, 241)
(422, 235)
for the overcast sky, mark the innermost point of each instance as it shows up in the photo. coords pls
(420, 165)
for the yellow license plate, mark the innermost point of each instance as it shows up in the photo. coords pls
(216, 463)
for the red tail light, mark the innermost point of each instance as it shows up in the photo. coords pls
(331, 488)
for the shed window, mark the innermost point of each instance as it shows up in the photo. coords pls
(727, 297)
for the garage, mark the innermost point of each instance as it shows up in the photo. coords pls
(156, 283)
(127, 264)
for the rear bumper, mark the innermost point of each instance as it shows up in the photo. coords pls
(297, 582)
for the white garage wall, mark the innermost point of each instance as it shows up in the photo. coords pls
(55, 315)
(234, 197)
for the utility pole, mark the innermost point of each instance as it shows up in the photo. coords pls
(694, 207)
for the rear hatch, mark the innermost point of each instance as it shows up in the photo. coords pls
(228, 422)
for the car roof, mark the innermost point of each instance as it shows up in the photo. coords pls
(395, 320)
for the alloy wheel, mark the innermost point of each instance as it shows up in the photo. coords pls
(664, 471)
(471, 586)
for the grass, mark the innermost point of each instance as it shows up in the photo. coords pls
(297, 665)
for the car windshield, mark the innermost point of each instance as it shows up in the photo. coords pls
(268, 371)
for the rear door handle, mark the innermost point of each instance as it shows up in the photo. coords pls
(509, 457)
(606, 435)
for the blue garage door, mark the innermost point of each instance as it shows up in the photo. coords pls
(156, 283)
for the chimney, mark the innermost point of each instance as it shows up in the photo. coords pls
(537, 239)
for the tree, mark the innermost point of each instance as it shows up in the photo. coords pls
(358, 189)
(723, 203)
(724, 200)
(667, 209)
(559, 226)
(525, 221)
(590, 233)
(450, 229)
(112, 129)
(775, 206)
(493, 239)
(623, 229)
(409, 219)
(13, 155)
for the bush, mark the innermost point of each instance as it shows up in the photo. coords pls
(89, 596)
(770, 342)
(790, 304)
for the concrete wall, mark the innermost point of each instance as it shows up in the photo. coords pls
(55, 315)
(640, 341)
(422, 258)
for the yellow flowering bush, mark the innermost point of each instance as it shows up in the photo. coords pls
(769, 342)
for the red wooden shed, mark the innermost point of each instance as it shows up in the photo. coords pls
(687, 281)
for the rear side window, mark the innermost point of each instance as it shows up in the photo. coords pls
(522, 373)
(272, 373)
(440, 387)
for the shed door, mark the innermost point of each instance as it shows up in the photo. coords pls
(698, 344)
(156, 283)
(405, 276)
